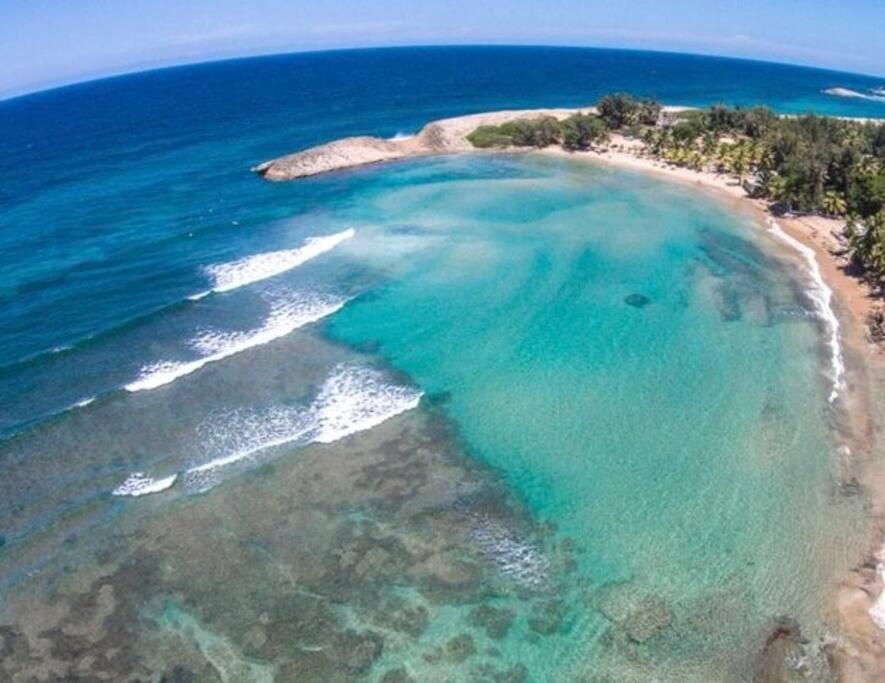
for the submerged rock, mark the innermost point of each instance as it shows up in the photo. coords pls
(728, 303)
(639, 613)
(645, 622)
(637, 300)
(457, 650)
(783, 657)
(548, 619)
(399, 615)
(399, 675)
(496, 621)
(356, 652)
(460, 647)
(488, 674)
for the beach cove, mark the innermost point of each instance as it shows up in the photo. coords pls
(834, 285)
(472, 416)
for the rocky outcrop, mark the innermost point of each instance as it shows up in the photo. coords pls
(344, 153)
(439, 137)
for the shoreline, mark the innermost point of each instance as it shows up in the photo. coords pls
(858, 651)
(859, 654)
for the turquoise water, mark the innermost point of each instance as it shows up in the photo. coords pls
(669, 440)
(467, 418)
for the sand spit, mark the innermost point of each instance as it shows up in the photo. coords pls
(446, 136)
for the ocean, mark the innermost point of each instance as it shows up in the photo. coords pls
(492, 417)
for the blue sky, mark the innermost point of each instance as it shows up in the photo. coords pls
(48, 42)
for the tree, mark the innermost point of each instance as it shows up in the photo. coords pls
(649, 112)
(833, 203)
(582, 131)
(776, 187)
(618, 110)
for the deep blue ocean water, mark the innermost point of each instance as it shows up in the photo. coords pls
(106, 184)
(649, 445)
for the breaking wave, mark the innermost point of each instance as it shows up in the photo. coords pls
(874, 94)
(352, 399)
(139, 484)
(822, 298)
(217, 345)
(245, 271)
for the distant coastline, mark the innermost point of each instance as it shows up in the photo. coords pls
(859, 597)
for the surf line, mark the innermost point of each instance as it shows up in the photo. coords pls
(249, 269)
(283, 319)
(352, 399)
(821, 296)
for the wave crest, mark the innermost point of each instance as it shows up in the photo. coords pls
(352, 399)
(217, 345)
(140, 484)
(874, 95)
(245, 271)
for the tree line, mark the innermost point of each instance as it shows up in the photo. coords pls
(812, 164)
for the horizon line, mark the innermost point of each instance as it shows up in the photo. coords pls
(164, 66)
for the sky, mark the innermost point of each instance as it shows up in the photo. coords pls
(50, 42)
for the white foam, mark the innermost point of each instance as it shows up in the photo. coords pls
(352, 399)
(878, 95)
(85, 402)
(245, 271)
(877, 611)
(402, 136)
(822, 297)
(516, 559)
(356, 398)
(139, 484)
(242, 436)
(215, 345)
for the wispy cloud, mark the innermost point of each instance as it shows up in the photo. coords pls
(215, 36)
(363, 28)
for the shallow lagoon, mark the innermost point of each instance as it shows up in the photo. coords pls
(590, 489)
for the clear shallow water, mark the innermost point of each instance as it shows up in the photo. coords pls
(622, 461)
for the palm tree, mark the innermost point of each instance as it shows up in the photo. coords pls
(833, 203)
(696, 160)
(867, 241)
(776, 187)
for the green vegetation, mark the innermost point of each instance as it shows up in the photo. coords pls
(621, 111)
(579, 131)
(808, 164)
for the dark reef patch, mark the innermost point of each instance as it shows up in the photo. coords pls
(331, 569)
(637, 300)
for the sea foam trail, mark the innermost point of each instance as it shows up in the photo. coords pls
(139, 484)
(878, 95)
(228, 276)
(822, 297)
(283, 319)
(877, 611)
(352, 399)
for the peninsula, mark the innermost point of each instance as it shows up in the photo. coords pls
(446, 136)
